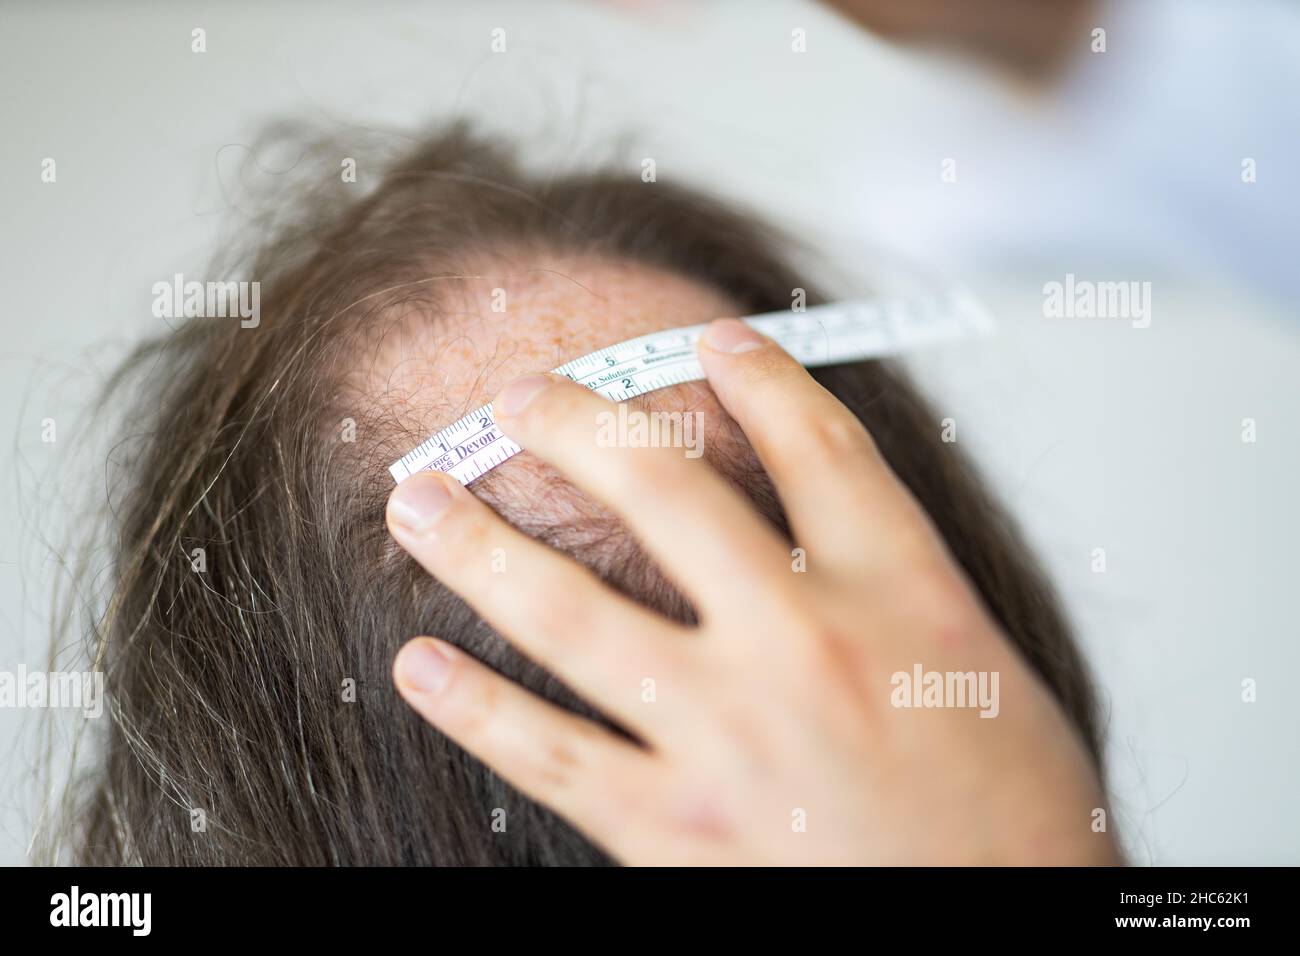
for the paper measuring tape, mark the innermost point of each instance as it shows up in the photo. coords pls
(831, 334)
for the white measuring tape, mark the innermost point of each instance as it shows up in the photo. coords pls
(830, 334)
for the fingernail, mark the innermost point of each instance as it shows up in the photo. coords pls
(419, 501)
(423, 666)
(732, 336)
(514, 398)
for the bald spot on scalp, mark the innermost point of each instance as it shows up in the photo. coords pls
(427, 370)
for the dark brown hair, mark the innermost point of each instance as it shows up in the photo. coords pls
(228, 687)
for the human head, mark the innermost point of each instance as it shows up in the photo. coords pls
(257, 689)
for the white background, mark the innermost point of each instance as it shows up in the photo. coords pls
(1098, 434)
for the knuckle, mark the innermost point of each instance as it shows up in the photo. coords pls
(819, 649)
(563, 765)
(835, 436)
(553, 771)
(941, 597)
(646, 472)
(563, 758)
(915, 547)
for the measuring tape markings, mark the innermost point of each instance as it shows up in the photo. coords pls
(831, 334)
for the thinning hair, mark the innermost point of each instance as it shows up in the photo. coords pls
(228, 690)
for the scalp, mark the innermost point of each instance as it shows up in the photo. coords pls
(440, 361)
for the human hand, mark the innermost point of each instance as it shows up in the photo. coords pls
(773, 735)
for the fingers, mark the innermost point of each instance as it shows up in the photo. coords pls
(845, 505)
(579, 769)
(707, 537)
(600, 643)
